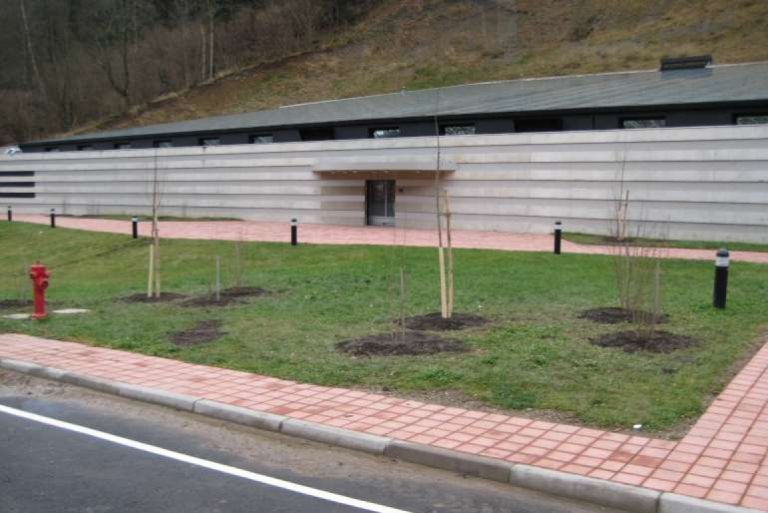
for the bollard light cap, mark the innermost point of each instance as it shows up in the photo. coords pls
(294, 221)
(722, 258)
(135, 218)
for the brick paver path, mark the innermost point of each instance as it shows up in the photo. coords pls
(329, 234)
(723, 458)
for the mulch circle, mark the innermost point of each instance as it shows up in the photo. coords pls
(165, 297)
(616, 315)
(244, 292)
(202, 333)
(434, 321)
(633, 341)
(233, 295)
(408, 343)
(15, 303)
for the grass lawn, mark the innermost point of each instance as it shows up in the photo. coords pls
(599, 240)
(536, 354)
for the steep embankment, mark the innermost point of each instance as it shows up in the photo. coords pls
(425, 43)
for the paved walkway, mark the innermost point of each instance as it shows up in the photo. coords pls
(723, 458)
(329, 234)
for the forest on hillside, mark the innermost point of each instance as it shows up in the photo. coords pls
(72, 66)
(69, 62)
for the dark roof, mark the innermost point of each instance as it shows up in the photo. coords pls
(715, 84)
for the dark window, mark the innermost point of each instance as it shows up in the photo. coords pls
(317, 134)
(643, 123)
(752, 119)
(16, 184)
(4, 194)
(457, 130)
(85, 147)
(52, 149)
(167, 143)
(122, 146)
(17, 173)
(538, 125)
(261, 139)
(383, 133)
(17, 194)
(210, 141)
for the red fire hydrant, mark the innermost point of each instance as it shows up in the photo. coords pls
(39, 275)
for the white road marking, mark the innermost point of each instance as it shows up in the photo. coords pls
(211, 465)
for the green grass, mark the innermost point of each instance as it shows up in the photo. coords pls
(536, 355)
(600, 240)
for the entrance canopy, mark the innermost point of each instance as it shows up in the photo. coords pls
(399, 164)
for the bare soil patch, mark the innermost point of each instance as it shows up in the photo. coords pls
(165, 297)
(203, 332)
(244, 292)
(234, 295)
(633, 341)
(409, 343)
(616, 315)
(434, 321)
(15, 303)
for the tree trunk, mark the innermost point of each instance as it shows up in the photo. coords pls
(31, 52)
(212, 32)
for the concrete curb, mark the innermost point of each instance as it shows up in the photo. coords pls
(674, 503)
(371, 444)
(244, 416)
(595, 491)
(454, 461)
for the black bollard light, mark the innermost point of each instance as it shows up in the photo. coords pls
(135, 227)
(53, 218)
(10, 214)
(294, 232)
(558, 236)
(722, 262)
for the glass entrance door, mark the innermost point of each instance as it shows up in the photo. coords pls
(380, 202)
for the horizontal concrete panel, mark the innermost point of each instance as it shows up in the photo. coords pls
(755, 215)
(357, 206)
(223, 189)
(345, 190)
(607, 191)
(186, 175)
(618, 155)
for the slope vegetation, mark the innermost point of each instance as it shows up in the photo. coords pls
(417, 44)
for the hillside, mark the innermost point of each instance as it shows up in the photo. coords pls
(425, 43)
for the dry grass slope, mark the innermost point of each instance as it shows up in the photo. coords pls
(426, 43)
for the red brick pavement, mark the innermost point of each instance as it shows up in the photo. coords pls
(723, 458)
(328, 234)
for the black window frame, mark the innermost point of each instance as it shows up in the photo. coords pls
(315, 134)
(444, 128)
(749, 115)
(85, 147)
(202, 141)
(372, 132)
(253, 138)
(624, 119)
(538, 125)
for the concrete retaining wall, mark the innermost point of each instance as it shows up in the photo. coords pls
(692, 183)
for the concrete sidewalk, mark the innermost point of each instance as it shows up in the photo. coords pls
(722, 459)
(329, 234)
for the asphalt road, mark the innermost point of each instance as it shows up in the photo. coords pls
(215, 467)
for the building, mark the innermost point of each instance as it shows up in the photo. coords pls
(688, 141)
